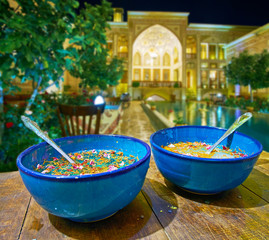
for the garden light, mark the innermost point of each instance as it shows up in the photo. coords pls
(99, 100)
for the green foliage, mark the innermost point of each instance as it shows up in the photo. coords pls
(249, 69)
(17, 137)
(76, 99)
(176, 85)
(89, 48)
(67, 88)
(31, 40)
(179, 121)
(32, 48)
(259, 104)
(135, 84)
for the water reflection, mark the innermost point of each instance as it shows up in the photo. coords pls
(194, 113)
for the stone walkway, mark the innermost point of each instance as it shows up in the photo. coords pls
(135, 123)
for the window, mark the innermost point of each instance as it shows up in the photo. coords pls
(213, 65)
(204, 78)
(137, 74)
(156, 60)
(147, 59)
(204, 51)
(213, 75)
(221, 52)
(204, 65)
(123, 49)
(222, 79)
(213, 79)
(222, 76)
(146, 74)
(166, 74)
(156, 74)
(166, 59)
(212, 51)
(137, 59)
(191, 45)
(118, 15)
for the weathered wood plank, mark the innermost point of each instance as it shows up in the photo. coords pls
(233, 214)
(14, 199)
(135, 221)
(258, 182)
(263, 159)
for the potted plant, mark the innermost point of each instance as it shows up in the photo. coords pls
(179, 121)
(153, 107)
(135, 84)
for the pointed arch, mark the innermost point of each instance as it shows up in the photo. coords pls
(137, 59)
(147, 59)
(166, 59)
(161, 54)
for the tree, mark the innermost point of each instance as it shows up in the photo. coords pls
(31, 39)
(94, 67)
(249, 70)
(32, 48)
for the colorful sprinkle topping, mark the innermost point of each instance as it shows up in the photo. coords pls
(198, 149)
(87, 162)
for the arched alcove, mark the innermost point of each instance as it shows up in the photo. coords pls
(161, 55)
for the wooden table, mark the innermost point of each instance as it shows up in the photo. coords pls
(160, 211)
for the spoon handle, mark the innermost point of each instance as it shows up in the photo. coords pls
(239, 121)
(35, 128)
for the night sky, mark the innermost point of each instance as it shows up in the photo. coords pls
(234, 12)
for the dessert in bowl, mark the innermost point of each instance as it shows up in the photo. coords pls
(90, 196)
(196, 172)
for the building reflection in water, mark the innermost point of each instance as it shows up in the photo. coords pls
(212, 118)
(194, 113)
(237, 113)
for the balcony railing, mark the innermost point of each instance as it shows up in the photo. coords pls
(123, 55)
(191, 55)
(159, 83)
(214, 86)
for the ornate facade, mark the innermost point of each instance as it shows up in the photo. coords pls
(166, 53)
(169, 57)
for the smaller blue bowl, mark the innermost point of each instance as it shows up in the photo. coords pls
(85, 198)
(203, 175)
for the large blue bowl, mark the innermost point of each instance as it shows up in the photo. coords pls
(90, 197)
(203, 175)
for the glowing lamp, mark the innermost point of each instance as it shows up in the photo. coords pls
(99, 100)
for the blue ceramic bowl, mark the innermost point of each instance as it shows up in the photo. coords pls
(90, 197)
(203, 175)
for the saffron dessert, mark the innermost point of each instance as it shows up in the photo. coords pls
(87, 162)
(198, 149)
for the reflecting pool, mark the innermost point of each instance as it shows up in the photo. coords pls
(195, 113)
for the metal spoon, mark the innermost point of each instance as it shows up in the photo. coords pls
(239, 121)
(36, 129)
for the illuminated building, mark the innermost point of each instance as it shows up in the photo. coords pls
(254, 42)
(170, 57)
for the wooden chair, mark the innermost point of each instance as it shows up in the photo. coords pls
(77, 120)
